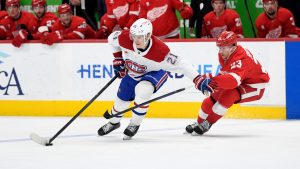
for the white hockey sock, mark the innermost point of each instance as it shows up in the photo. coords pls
(119, 105)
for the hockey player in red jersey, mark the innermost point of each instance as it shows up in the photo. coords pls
(276, 22)
(45, 19)
(221, 19)
(19, 25)
(141, 60)
(162, 15)
(68, 27)
(241, 79)
(119, 12)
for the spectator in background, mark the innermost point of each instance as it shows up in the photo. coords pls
(276, 22)
(200, 9)
(86, 9)
(221, 19)
(45, 19)
(119, 12)
(163, 16)
(68, 27)
(19, 25)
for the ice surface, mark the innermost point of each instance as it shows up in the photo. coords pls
(159, 144)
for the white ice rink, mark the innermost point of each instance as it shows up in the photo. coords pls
(159, 144)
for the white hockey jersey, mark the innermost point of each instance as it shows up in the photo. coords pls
(156, 57)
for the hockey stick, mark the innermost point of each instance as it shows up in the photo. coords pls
(48, 142)
(108, 116)
(88, 19)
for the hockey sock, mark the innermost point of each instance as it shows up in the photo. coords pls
(119, 105)
(206, 109)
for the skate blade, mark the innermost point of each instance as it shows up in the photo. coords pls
(127, 137)
(195, 134)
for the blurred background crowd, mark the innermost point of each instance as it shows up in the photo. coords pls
(51, 21)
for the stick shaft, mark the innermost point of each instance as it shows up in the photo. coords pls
(149, 101)
(82, 109)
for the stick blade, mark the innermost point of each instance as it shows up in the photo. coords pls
(107, 115)
(40, 140)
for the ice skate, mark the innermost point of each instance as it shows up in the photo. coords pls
(190, 128)
(107, 128)
(202, 128)
(130, 131)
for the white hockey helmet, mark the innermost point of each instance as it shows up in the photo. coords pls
(141, 26)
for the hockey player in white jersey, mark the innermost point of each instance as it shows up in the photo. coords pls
(141, 60)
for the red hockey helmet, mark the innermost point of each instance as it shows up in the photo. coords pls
(64, 8)
(12, 3)
(265, 1)
(36, 3)
(227, 38)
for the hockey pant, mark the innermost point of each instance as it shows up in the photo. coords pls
(214, 107)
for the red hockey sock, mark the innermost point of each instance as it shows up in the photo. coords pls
(206, 109)
(213, 117)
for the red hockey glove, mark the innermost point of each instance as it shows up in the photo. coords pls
(42, 33)
(119, 67)
(186, 12)
(102, 33)
(20, 38)
(52, 38)
(203, 83)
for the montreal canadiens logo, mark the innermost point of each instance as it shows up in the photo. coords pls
(135, 67)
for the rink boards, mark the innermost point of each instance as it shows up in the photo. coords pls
(40, 80)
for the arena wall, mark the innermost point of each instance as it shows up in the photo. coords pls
(38, 80)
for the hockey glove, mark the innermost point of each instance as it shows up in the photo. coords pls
(119, 67)
(203, 83)
(42, 33)
(20, 38)
(52, 38)
(102, 33)
(186, 12)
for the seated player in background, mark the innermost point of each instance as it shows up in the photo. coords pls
(221, 19)
(276, 22)
(45, 19)
(68, 27)
(241, 79)
(162, 15)
(142, 61)
(120, 16)
(18, 25)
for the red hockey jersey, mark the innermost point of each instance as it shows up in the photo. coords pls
(121, 12)
(214, 25)
(78, 29)
(240, 68)
(8, 25)
(47, 20)
(283, 25)
(162, 15)
(3, 14)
